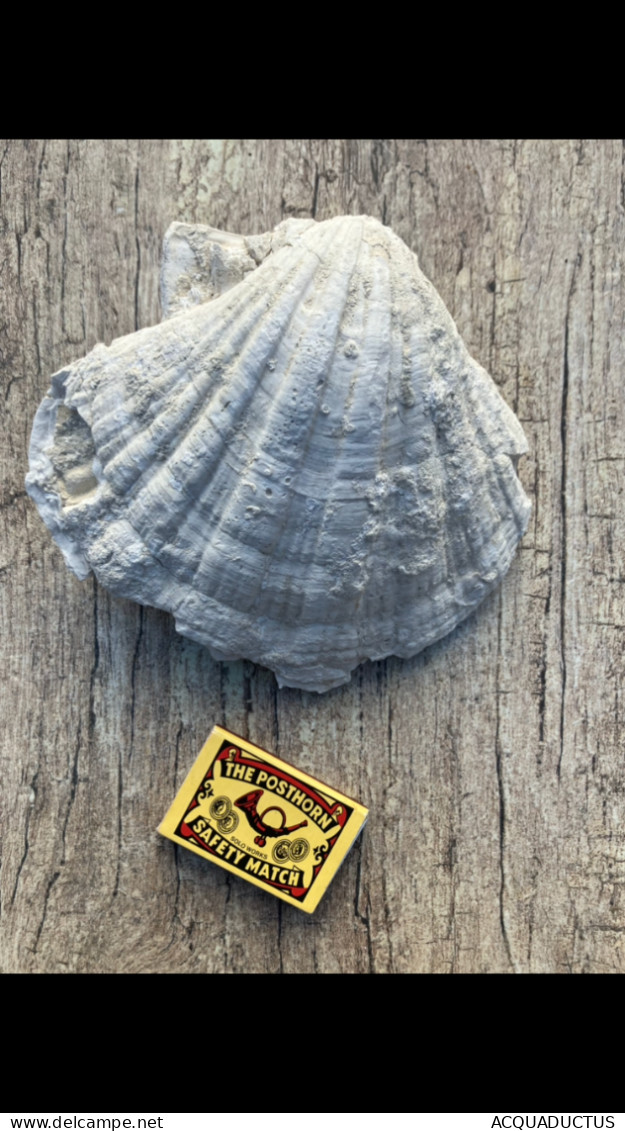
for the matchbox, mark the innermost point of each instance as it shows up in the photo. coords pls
(263, 820)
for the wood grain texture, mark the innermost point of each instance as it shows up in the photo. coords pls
(493, 762)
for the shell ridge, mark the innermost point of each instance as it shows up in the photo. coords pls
(200, 419)
(469, 443)
(217, 527)
(196, 486)
(213, 324)
(380, 590)
(302, 453)
(492, 489)
(338, 494)
(392, 596)
(366, 581)
(444, 545)
(386, 585)
(233, 495)
(333, 499)
(184, 383)
(124, 354)
(319, 399)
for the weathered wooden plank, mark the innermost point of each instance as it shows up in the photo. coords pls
(493, 762)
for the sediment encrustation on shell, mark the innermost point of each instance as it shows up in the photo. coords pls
(302, 462)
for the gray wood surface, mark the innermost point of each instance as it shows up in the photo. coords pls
(493, 762)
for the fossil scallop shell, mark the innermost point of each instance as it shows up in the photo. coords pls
(307, 470)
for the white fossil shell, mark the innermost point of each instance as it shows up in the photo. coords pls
(308, 470)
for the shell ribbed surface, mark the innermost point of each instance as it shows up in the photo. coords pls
(307, 471)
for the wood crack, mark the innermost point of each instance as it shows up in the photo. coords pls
(502, 803)
(64, 241)
(364, 919)
(72, 792)
(94, 668)
(133, 680)
(33, 786)
(6, 150)
(563, 504)
(45, 909)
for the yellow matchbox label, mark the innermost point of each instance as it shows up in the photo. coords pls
(262, 819)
